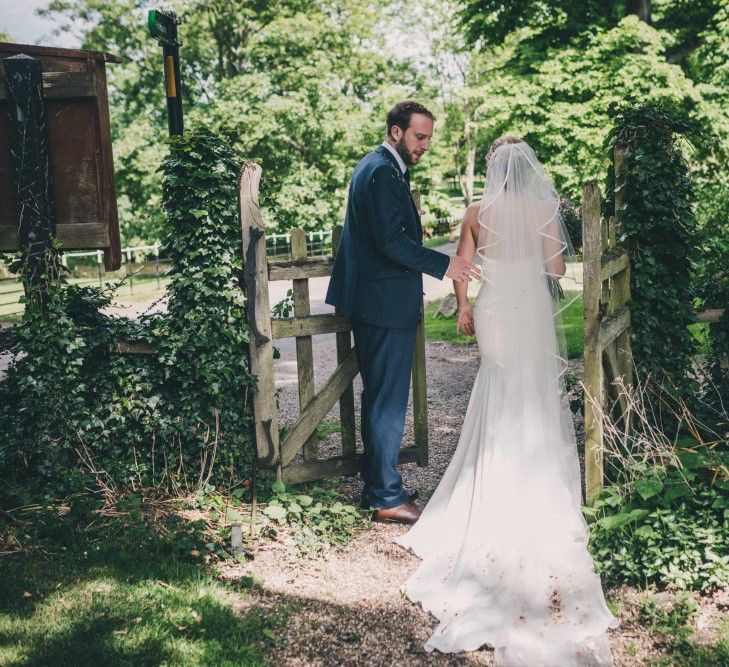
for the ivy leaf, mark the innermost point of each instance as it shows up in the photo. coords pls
(647, 487)
(275, 512)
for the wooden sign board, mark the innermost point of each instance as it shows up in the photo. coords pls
(79, 139)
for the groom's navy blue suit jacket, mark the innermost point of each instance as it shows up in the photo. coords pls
(378, 271)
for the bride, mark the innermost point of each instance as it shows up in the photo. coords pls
(503, 541)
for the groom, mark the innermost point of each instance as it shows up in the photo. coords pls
(377, 282)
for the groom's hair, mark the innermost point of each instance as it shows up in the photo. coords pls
(400, 114)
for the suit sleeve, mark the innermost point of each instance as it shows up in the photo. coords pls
(388, 218)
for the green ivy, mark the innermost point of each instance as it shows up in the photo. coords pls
(202, 342)
(660, 229)
(712, 288)
(74, 413)
(669, 528)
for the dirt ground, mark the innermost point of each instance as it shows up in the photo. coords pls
(346, 608)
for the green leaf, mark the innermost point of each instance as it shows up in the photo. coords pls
(275, 512)
(647, 487)
(232, 516)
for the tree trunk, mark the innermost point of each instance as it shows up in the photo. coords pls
(640, 7)
(470, 166)
(466, 178)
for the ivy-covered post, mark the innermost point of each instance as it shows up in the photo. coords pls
(651, 190)
(32, 174)
(620, 283)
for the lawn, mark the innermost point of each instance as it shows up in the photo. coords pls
(444, 328)
(80, 587)
(435, 241)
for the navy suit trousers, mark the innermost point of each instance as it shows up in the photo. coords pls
(385, 358)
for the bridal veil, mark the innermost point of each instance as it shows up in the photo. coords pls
(503, 541)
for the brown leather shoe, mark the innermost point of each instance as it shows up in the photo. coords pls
(407, 513)
(410, 492)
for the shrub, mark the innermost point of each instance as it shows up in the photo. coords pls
(75, 413)
(668, 527)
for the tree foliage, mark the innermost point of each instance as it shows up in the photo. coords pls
(302, 87)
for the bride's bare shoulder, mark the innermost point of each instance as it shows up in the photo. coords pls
(470, 219)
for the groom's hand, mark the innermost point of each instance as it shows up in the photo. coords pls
(461, 270)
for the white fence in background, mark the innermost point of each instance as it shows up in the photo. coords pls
(144, 262)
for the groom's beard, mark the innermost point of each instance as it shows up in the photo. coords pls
(402, 151)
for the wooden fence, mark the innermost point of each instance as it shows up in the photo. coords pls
(607, 320)
(282, 453)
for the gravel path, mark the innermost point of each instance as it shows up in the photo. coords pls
(346, 609)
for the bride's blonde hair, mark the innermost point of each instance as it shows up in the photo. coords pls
(504, 139)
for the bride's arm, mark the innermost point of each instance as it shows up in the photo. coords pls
(467, 250)
(553, 248)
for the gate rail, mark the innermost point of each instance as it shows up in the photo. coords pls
(282, 452)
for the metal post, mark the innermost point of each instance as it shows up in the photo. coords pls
(163, 26)
(99, 264)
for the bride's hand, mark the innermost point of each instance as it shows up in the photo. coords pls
(464, 320)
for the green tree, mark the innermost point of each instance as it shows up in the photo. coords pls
(552, 22)
(299, 86)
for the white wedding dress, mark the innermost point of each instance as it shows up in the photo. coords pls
(503, 541)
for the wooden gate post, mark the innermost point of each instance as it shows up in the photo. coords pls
(608, 359)
(304, 348)
(593, 380)
(420, 388)
(346, 402)
(259, 314)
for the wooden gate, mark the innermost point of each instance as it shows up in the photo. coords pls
(274, 451)
(606, 318)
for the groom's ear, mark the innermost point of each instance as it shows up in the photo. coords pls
(396, 132)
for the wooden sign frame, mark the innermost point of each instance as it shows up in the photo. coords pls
(79, 139)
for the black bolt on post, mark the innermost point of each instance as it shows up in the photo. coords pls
(32, 175)
(163, 27)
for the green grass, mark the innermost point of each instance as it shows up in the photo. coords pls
(435, 241)
(96, 590)
(328, 427)
(444, 328)
(573, 327)
(675, 620)
(11, 318)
